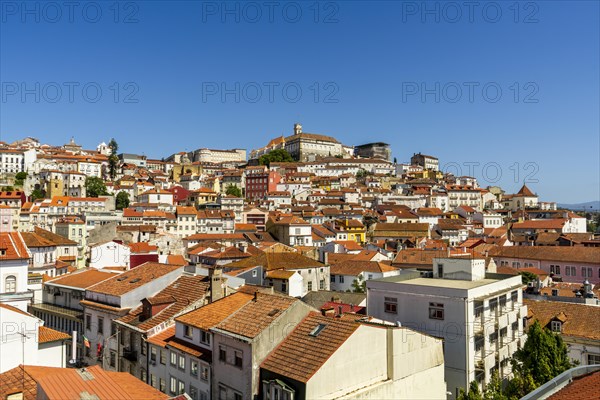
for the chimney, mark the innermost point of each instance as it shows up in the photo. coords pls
(340, 311)
(216, 284)
(255, 295)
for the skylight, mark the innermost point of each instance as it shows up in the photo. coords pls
(317, 330)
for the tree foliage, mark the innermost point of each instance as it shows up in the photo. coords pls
(543, 356)
(359, 286)
(37, 194)
(527, 277)
(20, 178)
(122, 200)
(279, 155)
(95, 187)
(113, 160)
(233, 190)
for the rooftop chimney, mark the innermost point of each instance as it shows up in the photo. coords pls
(216, 284)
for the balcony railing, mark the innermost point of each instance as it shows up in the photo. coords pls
(130, 354)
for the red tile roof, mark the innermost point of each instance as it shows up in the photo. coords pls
(309, 352)
(583, 387)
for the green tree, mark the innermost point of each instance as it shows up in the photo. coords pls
(20, 178)
(493, 390)
(543, 357)
(122, 200)
(473, 394)
(527, 277)
(95, 187)
(37, 194)
(113, 160)
(279, 155)
(7, 188)
(362, 173)
(359, 286)
(233, 190)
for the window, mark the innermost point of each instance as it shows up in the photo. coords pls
(222, 354)
(194, 368)
(284, 286)
(436, 311)
(586, 272)
(163, 357)
(182, 363)
(173, 359)
(556, 326)
(153, 354)
(152, 380)
(188, 331)
(204, 337)
(493, 305)
(341, 278)
(10, 284)
(332, 279)
(593, 359)
(113, 358)
(181, 387)
(309, 286)
(204, 373)
(100, 325)
(88, 322)
(143, 375)
(193, 393)
(173, 386)
(440, 269)
(163, 386)
(322, 284)
(222, 393)
(514, 296)
(390, 305)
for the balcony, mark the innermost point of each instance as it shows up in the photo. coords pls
(130, 354)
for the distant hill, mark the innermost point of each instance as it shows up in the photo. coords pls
(589, 206)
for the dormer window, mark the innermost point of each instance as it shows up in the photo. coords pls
(556, 326)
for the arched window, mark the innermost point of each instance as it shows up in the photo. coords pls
(10, 284)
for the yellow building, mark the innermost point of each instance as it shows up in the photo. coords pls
(356, 230)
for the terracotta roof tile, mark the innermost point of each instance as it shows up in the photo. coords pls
(212, 314)
(82, 278)
(12, 246)
(581, 320)
(256, 315)
(47, 335)
(132, 279)
(582, 387)
(309, 352)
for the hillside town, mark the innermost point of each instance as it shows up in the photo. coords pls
(304, 268)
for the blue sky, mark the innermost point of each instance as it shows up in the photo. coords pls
(508, 88)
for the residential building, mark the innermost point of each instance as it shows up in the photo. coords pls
(128, 350)
(242, 329)
(114, 298)
(14, 263)
(290, 230)
(32, 382)
(374, 150)
(425, 161)
(352, 275)
(351, 357)
(577, 324)
(287, 272)
(565, 263)
(25, 340)
(479, 315)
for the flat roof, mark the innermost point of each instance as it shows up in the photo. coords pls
(440, 282)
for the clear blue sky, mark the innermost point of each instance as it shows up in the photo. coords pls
(370, 61)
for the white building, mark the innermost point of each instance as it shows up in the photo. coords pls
(14, 260)
(25, 340)
(349, 358)
(479, 315)
(109, 254)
